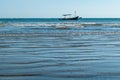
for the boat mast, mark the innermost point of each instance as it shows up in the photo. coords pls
(75, 13)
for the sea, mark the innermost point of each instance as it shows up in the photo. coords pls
(52, 49)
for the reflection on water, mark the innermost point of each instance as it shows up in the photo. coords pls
(63, 55)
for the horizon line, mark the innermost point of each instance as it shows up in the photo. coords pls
(50, 17)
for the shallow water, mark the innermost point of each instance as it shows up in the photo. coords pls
(38, 52)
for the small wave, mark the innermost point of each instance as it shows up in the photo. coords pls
(64, 25)
(56, 25)
(112, 25)
(56, 34)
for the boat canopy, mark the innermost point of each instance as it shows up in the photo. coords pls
(67, 14)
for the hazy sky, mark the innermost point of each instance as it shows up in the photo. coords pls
(55, 8)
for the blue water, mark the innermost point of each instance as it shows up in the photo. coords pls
(49, 49)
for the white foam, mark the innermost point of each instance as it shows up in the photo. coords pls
(59, 24)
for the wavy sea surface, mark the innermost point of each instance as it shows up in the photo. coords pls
(49, 49)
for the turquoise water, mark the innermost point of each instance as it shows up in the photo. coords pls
(49, 49)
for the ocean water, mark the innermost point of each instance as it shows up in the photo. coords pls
(49, 49)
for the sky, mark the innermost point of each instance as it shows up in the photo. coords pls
(55, 8)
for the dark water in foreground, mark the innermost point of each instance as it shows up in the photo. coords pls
(34, 49)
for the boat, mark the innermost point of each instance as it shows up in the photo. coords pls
(67, 17)
(73, 18)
